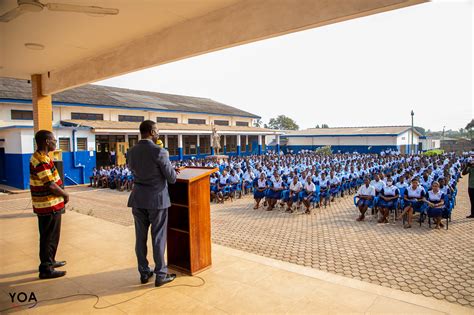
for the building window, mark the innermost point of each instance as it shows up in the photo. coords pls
(242, 123)
(253, 143)
(221, 122)
(131, 118)
(22, 114)
(173, 145)
(190, 144)
(204, 144)
(196, 121)
(243, 143)
(87, 116)
(231, 143)
(170, 120)
(81, 144)
(65, 144)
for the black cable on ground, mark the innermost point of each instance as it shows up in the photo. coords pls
(31, 305)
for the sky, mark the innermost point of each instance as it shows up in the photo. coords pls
(370, 71)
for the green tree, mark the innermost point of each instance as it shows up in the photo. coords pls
(317, 127)
(258, 123)
(324, 126)
(283, 122)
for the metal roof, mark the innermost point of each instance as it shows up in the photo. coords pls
(350, 131)
(100, 95)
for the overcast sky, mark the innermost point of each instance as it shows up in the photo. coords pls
(364, 72)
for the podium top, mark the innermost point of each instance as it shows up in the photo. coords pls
(191, 173)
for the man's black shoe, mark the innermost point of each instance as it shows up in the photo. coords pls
(161, 281)
(144, 278)
(470, 216)
(58, 264)
(52, 274)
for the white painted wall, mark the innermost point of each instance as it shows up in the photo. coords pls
(12, 143)
(405, 138)
(356, 140)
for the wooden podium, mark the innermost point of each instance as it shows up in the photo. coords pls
(189, 221)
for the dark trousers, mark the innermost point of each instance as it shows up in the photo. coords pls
(158, 219)
(49, 230)
(471, 198)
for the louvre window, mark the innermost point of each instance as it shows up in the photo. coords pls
(22, 114)
(81, 144)
(87, 116)
(131, 118)
(65, 144)
(204, 144)
(173, 145)
(242, 123)
(231, 143)
(170, 120)
(190, 144)
(221, 122)
(196, 121)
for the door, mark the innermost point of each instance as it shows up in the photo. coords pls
(121, 150)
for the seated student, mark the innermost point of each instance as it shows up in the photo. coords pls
(366, 194)
(111, 177)
(94, 178)
(307, 194)
(275, 191)
(435, 201)
(324, 185)
(377, 183)
(248, 178)
(223, 187)
(402, 183)
(293, 193)
(259, 189)
(122, 181)
(234, 180)
(387, 199)
(104, 175)
(119, 178)
(414, 201)
(130, 181)
(334, 185)
(213, 185)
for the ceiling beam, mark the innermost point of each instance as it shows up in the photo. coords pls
(246, 21)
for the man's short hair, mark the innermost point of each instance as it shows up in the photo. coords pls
(41, 136)
(147, 126)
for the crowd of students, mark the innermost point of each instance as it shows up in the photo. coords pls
(114, 177)
(383, 183)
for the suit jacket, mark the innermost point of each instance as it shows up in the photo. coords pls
(152, 171)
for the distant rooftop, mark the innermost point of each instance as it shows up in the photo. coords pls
(133, 99)
(339, 131)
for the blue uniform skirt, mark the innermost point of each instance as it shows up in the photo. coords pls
(416, 205)
(435, 212)
(259, 194)
(387, 204)
(334, 190)
(274, 194)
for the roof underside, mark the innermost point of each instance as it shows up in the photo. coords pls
(133, 99)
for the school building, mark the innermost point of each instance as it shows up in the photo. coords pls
(352, 139)
(91, 120)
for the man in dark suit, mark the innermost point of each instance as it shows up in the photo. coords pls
(150, 201)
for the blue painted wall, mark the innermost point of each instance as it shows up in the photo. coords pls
(83, 158)
(18, 168)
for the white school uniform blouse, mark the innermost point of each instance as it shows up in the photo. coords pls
(377, 185)
(277, 184)
(415, 193)
(262, 184)
(366, 191)
(295, 187)
(435, 197)
(310, 187)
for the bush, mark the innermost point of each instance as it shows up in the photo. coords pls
(326, 150)
(433, 152)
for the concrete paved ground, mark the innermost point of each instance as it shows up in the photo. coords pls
(101, 261)
(435, 264)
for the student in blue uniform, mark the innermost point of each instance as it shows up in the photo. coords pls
(435, 201)
(259, 189)
(308, 194)
(293, 193)
(387, 199)
(94, 178)
(414, 201)
(275, 191)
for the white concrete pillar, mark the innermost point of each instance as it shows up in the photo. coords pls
(225, 140)
(238, 140)
(166, 141)
(180, 141)
(197, 141)
(259, 139)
